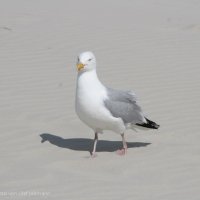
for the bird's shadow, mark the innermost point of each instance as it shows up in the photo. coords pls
(84, 144)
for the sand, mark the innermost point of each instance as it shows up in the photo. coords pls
(149, 46)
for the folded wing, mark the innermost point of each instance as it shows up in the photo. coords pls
(123, 104)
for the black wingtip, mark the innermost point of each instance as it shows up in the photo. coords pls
(149, 124)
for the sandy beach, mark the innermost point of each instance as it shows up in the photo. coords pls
(149, 46)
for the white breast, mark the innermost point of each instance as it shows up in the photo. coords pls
(90, 94)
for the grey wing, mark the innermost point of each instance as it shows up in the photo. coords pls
(123, 104)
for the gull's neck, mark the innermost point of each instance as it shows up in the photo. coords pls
(88, 79)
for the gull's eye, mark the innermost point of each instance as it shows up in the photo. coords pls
(90, 59)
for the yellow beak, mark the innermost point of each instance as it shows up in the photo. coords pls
(80, 66)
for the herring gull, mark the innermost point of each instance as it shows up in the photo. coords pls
(103, 108)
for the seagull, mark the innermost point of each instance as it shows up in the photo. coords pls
(103, 108)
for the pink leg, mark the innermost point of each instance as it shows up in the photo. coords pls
(123, 151)
(93, 153)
